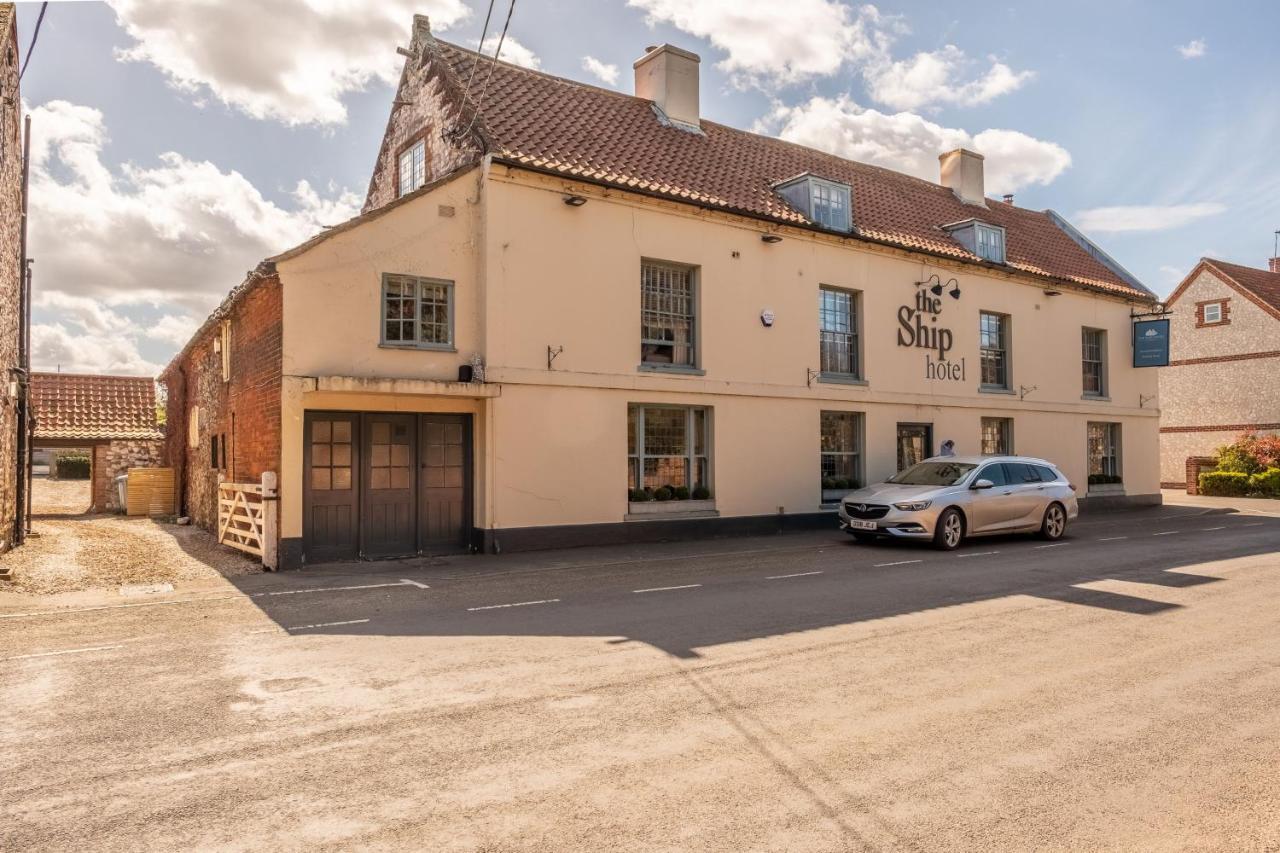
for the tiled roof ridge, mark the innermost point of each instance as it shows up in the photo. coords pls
(1219, 264)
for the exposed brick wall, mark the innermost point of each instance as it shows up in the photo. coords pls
(10, 274)
(1196, 464)
(430, 107)
(1224, 320)
(114, 458)
(241, 415)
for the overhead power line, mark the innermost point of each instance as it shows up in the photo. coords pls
(494, 64)
(34, 35)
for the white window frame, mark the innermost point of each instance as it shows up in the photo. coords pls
(664, 306)
(854, 319)
(636, 454)
(989, 242)
(1101, 361)
(411, 168)
(417, 282)
(844, 196)
(1217, 310)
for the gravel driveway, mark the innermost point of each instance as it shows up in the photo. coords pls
(76, 551)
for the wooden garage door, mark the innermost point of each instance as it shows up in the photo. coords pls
(387, 511)
(332, 466)
(445, 482)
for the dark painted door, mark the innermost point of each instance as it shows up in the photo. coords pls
(331, 468)
(444, 495)
(387, 514)
(915, 444)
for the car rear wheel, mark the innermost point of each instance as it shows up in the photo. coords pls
(949, 533)
(1054, 524)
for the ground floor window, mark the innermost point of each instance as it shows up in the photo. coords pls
(997, 436)
(1104, 454)
(915, 444)
(668, 452)
(841, 455)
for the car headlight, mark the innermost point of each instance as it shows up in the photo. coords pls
(912, 506)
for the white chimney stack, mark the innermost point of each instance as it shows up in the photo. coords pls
(962, 173)
(668, 76)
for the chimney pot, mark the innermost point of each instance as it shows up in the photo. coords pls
(961, 172)
(1274, 264)
(668, 76)
(1008, 198)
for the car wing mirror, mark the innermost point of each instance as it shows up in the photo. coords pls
(982, 484)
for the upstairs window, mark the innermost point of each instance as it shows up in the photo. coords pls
(826, 203)
(417, 312)
(990, 243)
(993, 334)
(1093, 358)
(668, 315)
(413, 167)
(1213, 313)
(838, 332)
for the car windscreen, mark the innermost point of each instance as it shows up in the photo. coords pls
(932, 474)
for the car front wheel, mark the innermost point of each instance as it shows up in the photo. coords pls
(949, 533)
(1054, 524)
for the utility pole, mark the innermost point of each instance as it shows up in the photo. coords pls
(22, 462)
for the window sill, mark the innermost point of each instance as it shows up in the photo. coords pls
(677, 369)
(1105, 489)
(419, 347)
(992, 389)
(1096, 398)
(842, 379)
(650, 510)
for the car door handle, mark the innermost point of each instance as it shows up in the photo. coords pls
(1008, 492)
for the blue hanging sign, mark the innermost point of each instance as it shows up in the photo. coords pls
(1151, 343)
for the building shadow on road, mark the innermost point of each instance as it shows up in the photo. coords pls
(740, 598)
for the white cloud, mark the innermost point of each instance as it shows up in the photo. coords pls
(602, 71)
(909, 143)
(512, 51)
(54, 347)
(784, 44)
(1193, 49)
(936, 78)
(288, 60)
(176, 233)
(1152, 217)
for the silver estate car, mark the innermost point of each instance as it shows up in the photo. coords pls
(946, 498)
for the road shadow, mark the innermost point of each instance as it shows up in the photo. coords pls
(738, 600)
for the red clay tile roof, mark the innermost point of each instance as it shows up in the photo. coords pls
(1264, 285)
(550, 123)
(85, 407)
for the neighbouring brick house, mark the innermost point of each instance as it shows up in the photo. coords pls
(10, 267)
(223, 403)
(1223, 364)
(111, 417)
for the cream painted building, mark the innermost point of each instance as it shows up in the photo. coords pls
(564, 306)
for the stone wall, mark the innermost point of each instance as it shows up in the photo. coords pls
(234, 434)
(10, 274)
(112, 459)
(428, 107)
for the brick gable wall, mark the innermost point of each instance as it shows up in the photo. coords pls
(245, 410)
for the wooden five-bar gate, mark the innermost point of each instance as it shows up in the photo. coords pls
(247, 517)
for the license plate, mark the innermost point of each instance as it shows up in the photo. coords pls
(856, 524)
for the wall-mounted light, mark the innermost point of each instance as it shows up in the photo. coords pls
(936, 290)
(770, 238)
(574, 200)
(955, 289)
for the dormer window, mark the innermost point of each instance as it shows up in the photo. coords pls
(985, 241)
(826, 203)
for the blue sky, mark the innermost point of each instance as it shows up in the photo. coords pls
(178, 142)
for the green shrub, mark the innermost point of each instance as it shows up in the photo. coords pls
(73, 467)
(638, 495)
(1104, 479)
(701, 493)
(681, 493)
(1230, 484)
(1266, 483)
(1238, 458)
(829, 483)
(663, 493)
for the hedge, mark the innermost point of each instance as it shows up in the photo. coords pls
(1266, 483)
(1230, 484)
(73, 467)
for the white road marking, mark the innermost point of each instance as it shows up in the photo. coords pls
(516, 604)
(1206, 529)
(667, 588)
(116, 607)
(796, 575)
(899, 563)
(1050, 545)
(1166, 533)
(326, 624)
(1254, 524)
(1113, 538)
(414, 583)
(64, 652)
(977, 554)
(329, 589)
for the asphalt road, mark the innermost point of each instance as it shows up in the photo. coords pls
(1119, 690)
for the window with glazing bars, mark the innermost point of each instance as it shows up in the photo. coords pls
(838, 335)
(417, 312)
(413, 167)
(993, 332)
(830, 205)
(668, 321)
(667, 446)
(1093, 349)
(997, 436)
(1104, 451)
(989, 242)
(841, 450)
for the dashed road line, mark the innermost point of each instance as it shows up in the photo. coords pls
(794, 575)
(1113, 538)
(513, 604)
(64, 652)
(1050, 545)
(326, 625)
(333, 589)
(668, 588)
(1166, 533)
(1207, 529)
(414, 583)
(898, 563)
(1254, 524)
(976, 554)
